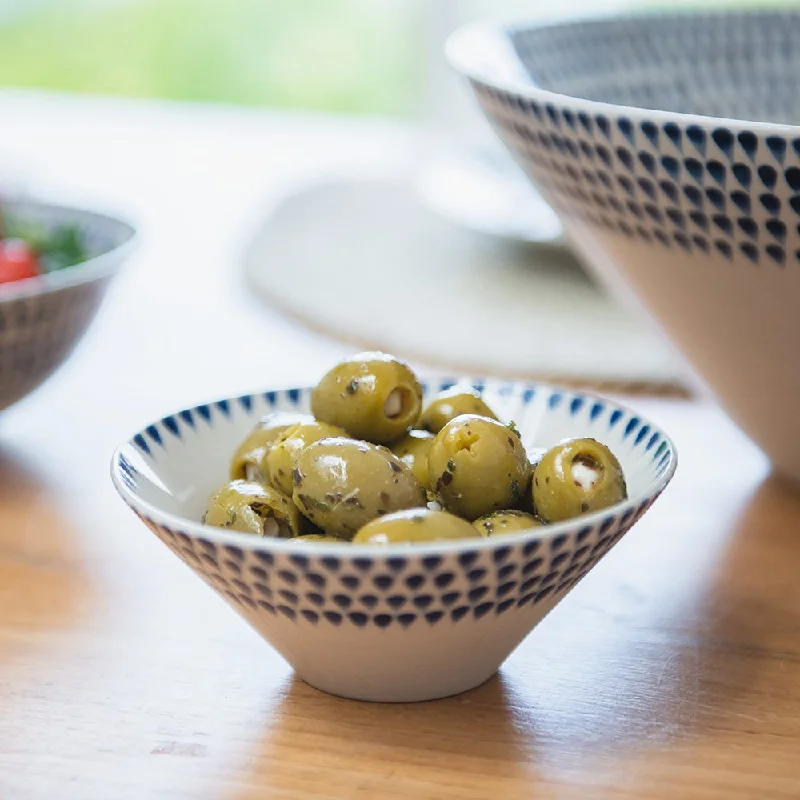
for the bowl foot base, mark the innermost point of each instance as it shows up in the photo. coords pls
(415, 694)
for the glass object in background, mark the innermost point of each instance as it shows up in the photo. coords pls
(469, 177)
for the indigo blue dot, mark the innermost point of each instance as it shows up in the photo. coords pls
(383, 581)
(474, 595)
(482, 610)
(530, 548)
(532, 566)
(505, 571)
(450, 598)
(476, 574)
(415, 581)
(316, 579)
(357, 618)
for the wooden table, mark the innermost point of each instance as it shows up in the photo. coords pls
(673, 670)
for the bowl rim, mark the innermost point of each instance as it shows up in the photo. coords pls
(346, 550)
(468, 46)
(92, 269)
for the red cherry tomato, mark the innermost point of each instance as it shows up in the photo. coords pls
(17, 261)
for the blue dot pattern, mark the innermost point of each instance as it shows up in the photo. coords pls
(382, 591)
(696, 187)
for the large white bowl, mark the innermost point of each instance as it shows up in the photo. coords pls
(396, 623)
(42, 319)
(669, 144)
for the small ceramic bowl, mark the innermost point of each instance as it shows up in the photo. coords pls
(42, 319)
(395, 623)
(669, 145)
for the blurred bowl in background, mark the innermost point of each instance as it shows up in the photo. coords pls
(43, 318)
(669, 144)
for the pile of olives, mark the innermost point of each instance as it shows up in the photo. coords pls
(372, 466)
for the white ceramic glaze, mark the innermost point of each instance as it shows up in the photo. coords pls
(669, 144)
(42, 319)
(398, 623)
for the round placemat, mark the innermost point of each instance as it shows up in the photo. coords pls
(370, 264)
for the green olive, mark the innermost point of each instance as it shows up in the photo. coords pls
(510, 520)
(413, 450)
(321, 537)
(417, 525)
(251, 507)
(478, 465)
(248, 460)
(373, 396)
(577, 477)
(450, 404)
(281, 456)
(342, 484)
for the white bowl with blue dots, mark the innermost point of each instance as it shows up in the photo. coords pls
(669, 145)
(392, 623)
(42, 319)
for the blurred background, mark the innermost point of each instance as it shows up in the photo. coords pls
(460, 214)
(349, 56)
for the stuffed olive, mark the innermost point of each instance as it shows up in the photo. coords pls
(251, 507)
(373, 396)
(417, 525)
(413, 450)
(248, 462)
(341, 484)
(281, 456)
(509, 520)
(478, 465)
(450, 404)
(577, 477)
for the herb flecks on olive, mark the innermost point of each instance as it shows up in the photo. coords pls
(341, 484)
(477, 466)
(507, 521)
(413, 451)
(450, 404)
(281, 456)
(251, 507)
(416, 526)
(373, 396)
(577, 477)
(249, 459)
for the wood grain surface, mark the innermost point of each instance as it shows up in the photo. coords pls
(673, 670)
